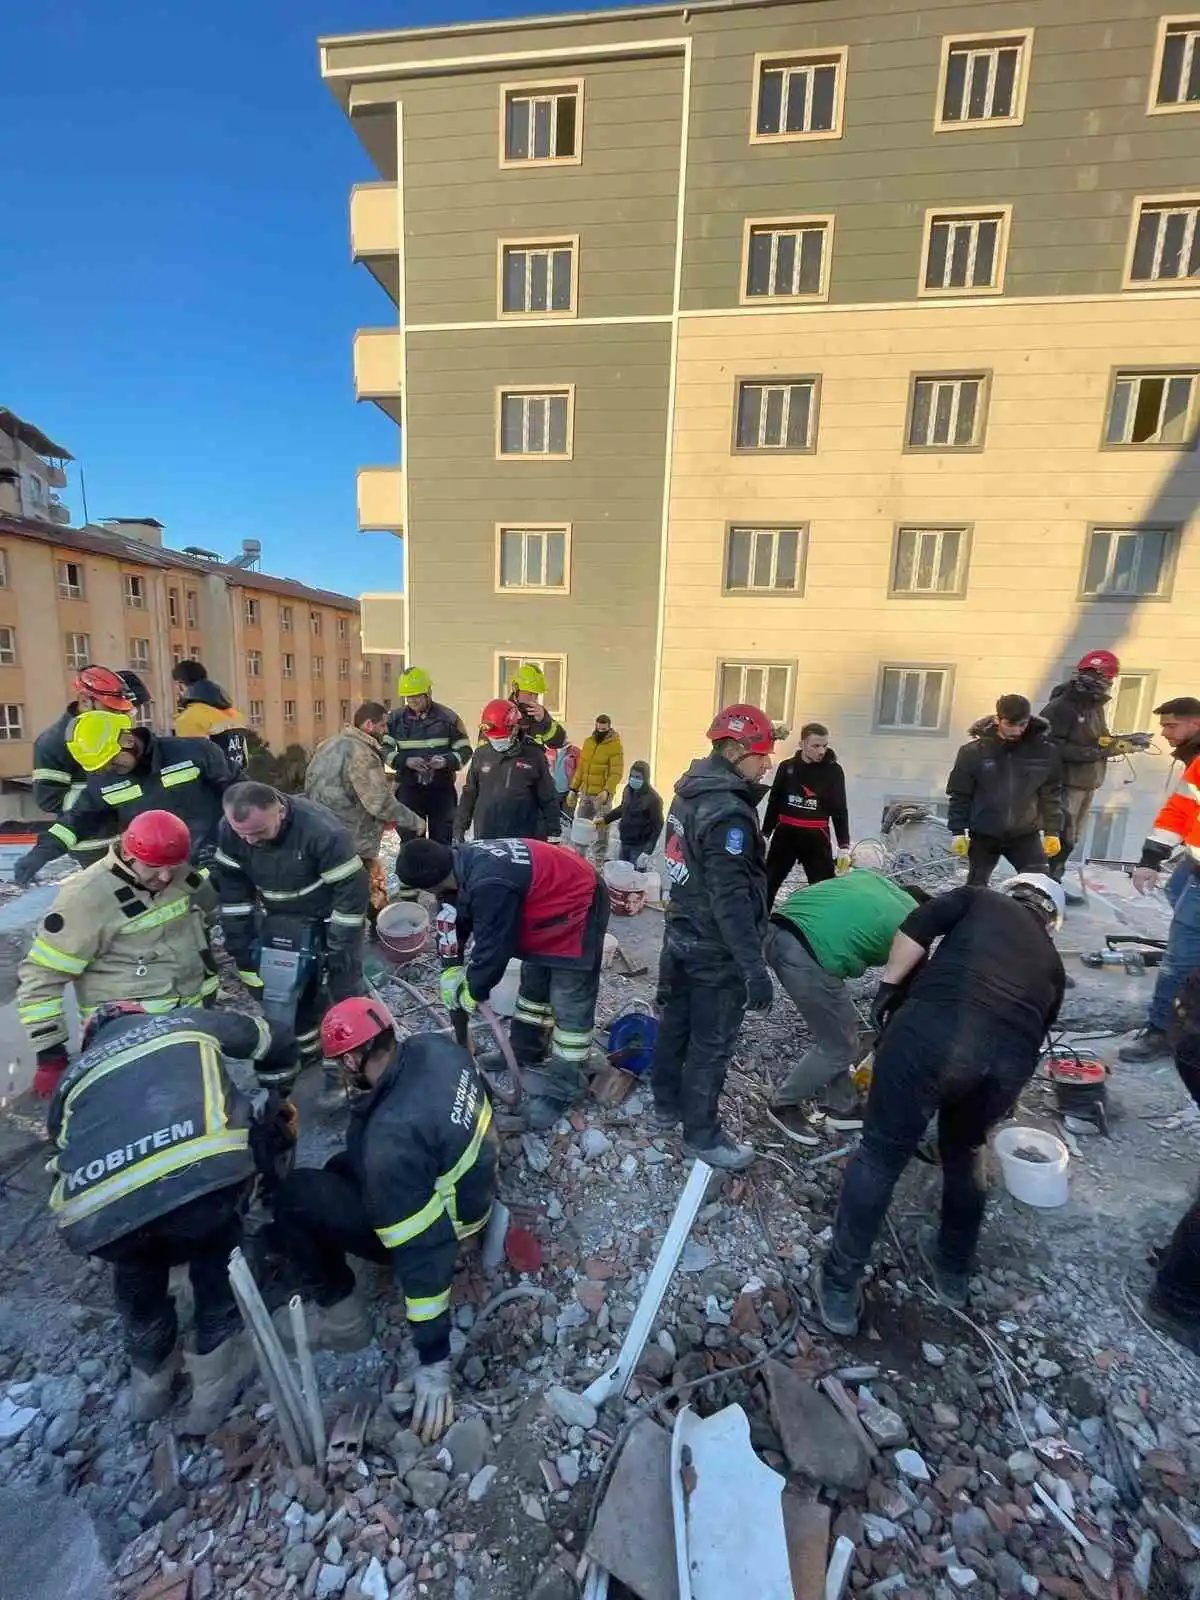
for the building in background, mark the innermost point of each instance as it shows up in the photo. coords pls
(842, 360)
(32, 467)
(383, 654)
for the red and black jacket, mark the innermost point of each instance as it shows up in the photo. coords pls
(809, 794)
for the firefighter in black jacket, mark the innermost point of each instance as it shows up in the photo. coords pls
(417, 1177)
(430, 745)
(808, 797)
(58, 779)
(156, 1153)
(712, 967)
(509, 793)
(131, 770)
(294, 896)
(1006, 793)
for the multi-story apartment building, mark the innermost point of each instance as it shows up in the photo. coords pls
(843, 359)
(32, 467)
(383, 653)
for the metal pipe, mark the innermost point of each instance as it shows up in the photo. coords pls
(277, 1375)
(309, 1389)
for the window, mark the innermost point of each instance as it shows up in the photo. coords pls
(983, 81)
(799, 97)
(318, 666)
(1166, 243)
(251, 612)
(535, 423)
(318, 711)
(1153, 408)
(257, 716)
(285, 619)
(194, 652)
(37, 490)
(3, 569)
(930, 561)
(1177, 65)
(778, 415)
(366, 668)
(343, 666)
(314, 622)
(913, 699)
(139, 654)
(288, 665)
(1132, 702)
(385, 668)
(173, 607)
(193, 609)
(554, 669)
(788, 260)
(542, 122)
(532, 558)
(344, 710)
(135, 591)
(143, 717)
(1129, 563)
(767, 685)
(79, 651)
(964, 254)
(12, 722)
(946, 411)
(176, 654)
(1107, 842)
(289, 711)
(8, 647)
(765, 560)
(70, 580)
(538, 278)
(254, 663)
(343, 630)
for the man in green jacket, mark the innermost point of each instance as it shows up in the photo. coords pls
(819, 937)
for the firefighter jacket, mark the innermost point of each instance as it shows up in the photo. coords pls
(521, 897)
(346, 776)
(809, 794)
(149, 1119)
(423, 1151)
(185, 776)
(116, 940)
(1178, 823)
(310, 871)
(509, 794)
(601, 765)
(716, 864)
(1075, 721)
(435, 732)
(1006, 788)
(206, 712)
(59, 780)
(539, 725)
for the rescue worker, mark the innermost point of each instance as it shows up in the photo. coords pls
(154, 1169)
(712, 967)
(820, 936)
(509, 793)
(1177, 826)
(294, 896)
(963, 1044)
(808, 798)
(1076, 724)
(430, 745)
(528, 687)
(346, 775)
(535, 901)
(58, 779)
(640, 815)
(126, 928)
(1173, 1304)
(1005, 786)
(416, 1179)
(205, 711)
(132, 770)
(597, 779)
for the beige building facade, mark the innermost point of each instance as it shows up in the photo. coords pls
(847, 363)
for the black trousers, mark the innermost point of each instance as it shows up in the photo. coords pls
(1025, 854)
(697, 1030)
(201, 1234)
(956, 1061)
(808, 847)
(436, 802)
(320, 1219)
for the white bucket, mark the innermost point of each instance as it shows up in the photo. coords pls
(622, 875)
(1038, 1183)
(583, 832)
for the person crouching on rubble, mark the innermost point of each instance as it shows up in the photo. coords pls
(963, 1044)
(416, 1179)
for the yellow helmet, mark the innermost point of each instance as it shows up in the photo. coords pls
(94, 737)
(415, 681)
(530, 680)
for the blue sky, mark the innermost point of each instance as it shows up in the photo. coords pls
(176, 297)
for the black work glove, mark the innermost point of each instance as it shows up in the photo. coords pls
(887, 997)
(760, 992)
(345, 977)
(26, 870)
(282, 1052)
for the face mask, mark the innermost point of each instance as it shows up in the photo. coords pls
(502, 744)
(636, 782)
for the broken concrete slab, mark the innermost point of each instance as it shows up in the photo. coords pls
(50, 1548)
(817, 1439)
(632, 1538)
(806, 1528)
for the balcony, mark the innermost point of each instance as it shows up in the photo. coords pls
(381, 499)
(377, 369)
(375, 234)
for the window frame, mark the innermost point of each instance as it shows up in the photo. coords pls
(1191, 438)
(837, 56)
(316, 624)
(76, 666)
(1188, 199)
(791, 667)
(539, 658)
(531, 526)
(12, 734)
(824, 221)
(251, 611)
(344, 711)
(994, 40)
(257, 717)
(914, 666)
(533, 391)
(1165, 25)
(254, 664)
(286, 619)
(967, 531)
(289, 717)
(141, 663)
(1001, 213)
(135, 598)
(62, 583)
(1173, 532)
(982, 376)
(540, 163)
(549, 241)
(9, 628)
(316, 666)
(318, 709)
(343, 630)
(785, 381)
(173, 607)
(286, 670)
(343, 669)
(804, 532)
(1149, 694)
(191, 608)
(3, 567)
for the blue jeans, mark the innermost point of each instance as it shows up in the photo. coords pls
(1183, 942)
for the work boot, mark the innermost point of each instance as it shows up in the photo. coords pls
(1183, 1330)
(841, 1104)
(1149, 1044)
(721, 1152)
(345, 1325)
(218, 1378)
(150, 1392)
(839, 1309)
(792, 1121)
(951, 1287)
(664, 1119)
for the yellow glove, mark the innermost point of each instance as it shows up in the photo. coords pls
(843, 861)
(1113, 746)
(251, 980)
(1051, 844)
(959, 845)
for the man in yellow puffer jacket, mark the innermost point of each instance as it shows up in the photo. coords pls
(597, 779)
(205, 711)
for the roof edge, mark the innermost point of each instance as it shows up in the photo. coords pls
(564, 19)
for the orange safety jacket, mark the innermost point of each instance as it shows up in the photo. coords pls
(1178, 823)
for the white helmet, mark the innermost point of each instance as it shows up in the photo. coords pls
(1041, 891)
(870, 854)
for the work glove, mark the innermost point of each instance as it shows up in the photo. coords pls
(51, 1064)
(1051, 844)
(843, 860)
(760, 992)
(452, 986)
(250, 979)
(570, 801)
(959, 845)
(25, 871)
(1145, 879)
(433, 1411)
(417, 764)
(887, 998)
(1113, 745)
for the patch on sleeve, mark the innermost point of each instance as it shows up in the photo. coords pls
(53, 923)
(735, 841)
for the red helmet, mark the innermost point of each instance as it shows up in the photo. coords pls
(157, 839)
(500, 717)
(747, 725)
(353, 1022)
(1102, 661)
(106, 687)
(108, 1012)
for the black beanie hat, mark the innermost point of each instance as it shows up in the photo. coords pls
(423, 863)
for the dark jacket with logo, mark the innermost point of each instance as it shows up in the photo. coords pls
(59, 780)
(509, 794)
(436, 732)
(207, 712)
(422, 1149)
(1006, 788)
(716, 864)
(1075, 721)
(640, 812)
(149, 1119)
(809, 794)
